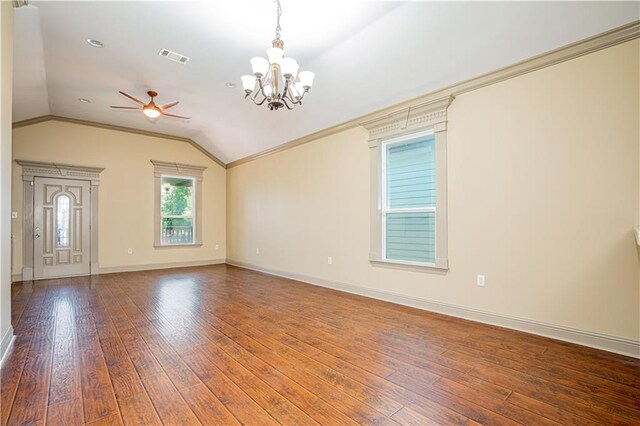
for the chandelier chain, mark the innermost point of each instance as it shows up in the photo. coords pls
(279, 12)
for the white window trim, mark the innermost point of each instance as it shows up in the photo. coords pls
(163, 168)
(398, 126)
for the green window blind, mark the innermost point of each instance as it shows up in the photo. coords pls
(410, 216)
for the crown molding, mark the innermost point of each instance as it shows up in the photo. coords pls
(44, 118)
(600, 41)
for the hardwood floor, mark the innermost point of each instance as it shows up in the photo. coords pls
(223, 345)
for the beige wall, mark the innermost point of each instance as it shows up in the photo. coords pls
(543, 195)
(6, 82)
(126, 209)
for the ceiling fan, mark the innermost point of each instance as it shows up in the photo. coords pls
(150, 109)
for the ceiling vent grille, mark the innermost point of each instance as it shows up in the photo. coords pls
(175, 57)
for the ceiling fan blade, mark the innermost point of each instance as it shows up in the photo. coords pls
(169, 105)
(121, 107)
(138, 101)
(166, 114)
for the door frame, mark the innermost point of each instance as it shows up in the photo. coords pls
(33, 169)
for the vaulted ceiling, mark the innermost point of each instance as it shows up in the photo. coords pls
(367, 55)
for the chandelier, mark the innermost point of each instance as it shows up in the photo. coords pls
(276, 77)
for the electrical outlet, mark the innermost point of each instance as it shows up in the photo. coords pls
(480, 281)
(257, 250)
(217, 247)
(129, 251)
(329, 260)
(14, 215)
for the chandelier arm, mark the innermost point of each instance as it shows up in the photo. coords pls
(285, 92)
(288, 94)
(261, 85)
(293, 100)
(264, 98)
(304, 92)
(297, 101)
(284, 101)
(254, 96)
(261, 91)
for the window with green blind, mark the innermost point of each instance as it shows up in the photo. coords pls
(409, 199)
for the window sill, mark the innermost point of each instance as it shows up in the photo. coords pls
(172, 246)
(409, 266)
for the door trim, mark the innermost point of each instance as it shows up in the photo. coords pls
(33, 169)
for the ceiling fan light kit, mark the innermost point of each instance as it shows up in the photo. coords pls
(150, 109)
(275, 77)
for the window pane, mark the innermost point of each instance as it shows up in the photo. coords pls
(411, 236)
(177, 231)
(177, 210)
(411, 173)
(62, 221)
(176, 196)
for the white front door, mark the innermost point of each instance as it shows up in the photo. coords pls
(61, 228)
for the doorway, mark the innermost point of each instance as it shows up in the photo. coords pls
(61, 228)
(60, 220)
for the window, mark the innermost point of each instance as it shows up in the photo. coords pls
(62, 221)
(177, 210)
(178, 204)
(409, 187)
(409, 199)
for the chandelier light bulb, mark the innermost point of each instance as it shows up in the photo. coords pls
(290, 68)
(268, 90)
(306, 79)
(275, 55)
(260, 66)
(248, 83)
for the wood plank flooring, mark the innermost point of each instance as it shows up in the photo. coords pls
(224, 345)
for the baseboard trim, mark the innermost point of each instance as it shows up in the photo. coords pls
(153, 266)
(6, 343)
(16, 277)
(27, 273)
(619, 345)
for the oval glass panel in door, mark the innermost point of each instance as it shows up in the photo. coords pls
(62, 221)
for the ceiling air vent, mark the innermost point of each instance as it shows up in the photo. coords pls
(176, 57)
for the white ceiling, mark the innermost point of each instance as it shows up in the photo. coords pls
(366, 55)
